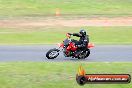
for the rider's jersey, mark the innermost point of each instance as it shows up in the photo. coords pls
(83, 41)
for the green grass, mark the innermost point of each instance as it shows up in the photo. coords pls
(16, 8)
(57, 74)
(51, 35)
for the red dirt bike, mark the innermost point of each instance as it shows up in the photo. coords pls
(69, 49)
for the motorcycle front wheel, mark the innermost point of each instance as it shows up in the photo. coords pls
(52, 53)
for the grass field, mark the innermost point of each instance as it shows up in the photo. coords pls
(51, 35)
(33, 8)
(56, 74)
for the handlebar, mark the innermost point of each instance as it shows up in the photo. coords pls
(68, 35)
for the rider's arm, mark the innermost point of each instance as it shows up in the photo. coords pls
(77, 34)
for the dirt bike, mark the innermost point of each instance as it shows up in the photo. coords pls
(69, 49)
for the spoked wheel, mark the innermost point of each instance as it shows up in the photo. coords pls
(87, 53)
(81, 56)
(84, 54)
(53, 53)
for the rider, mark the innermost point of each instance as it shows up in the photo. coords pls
(83, 41)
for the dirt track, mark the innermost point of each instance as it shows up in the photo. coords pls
(127, 21)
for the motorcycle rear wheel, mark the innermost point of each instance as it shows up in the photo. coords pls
(84, 55)
(88, 53)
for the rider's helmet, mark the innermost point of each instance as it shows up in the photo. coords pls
(82, 32)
